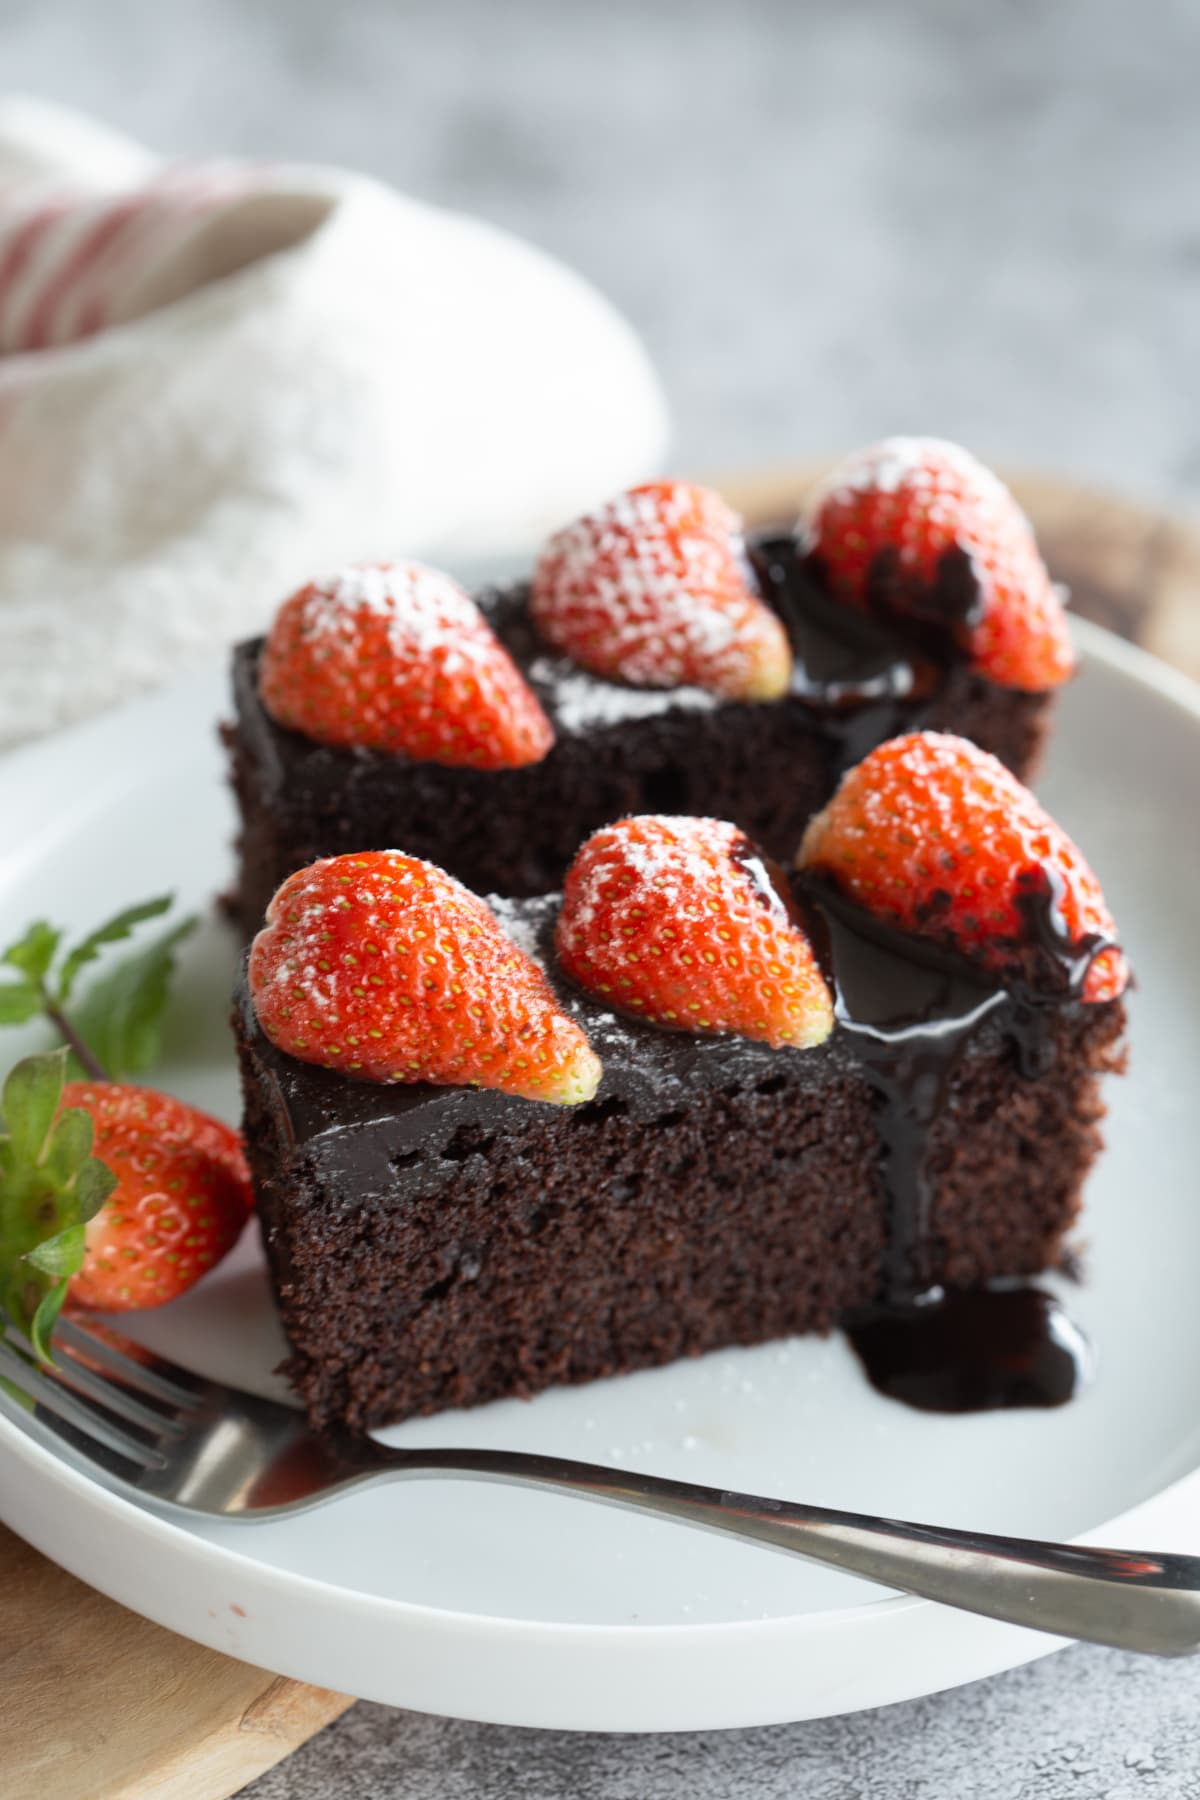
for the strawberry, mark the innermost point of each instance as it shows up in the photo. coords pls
(386, 968)
(397, 657)
(934, 835)
(683, 922)
(182, 1196)
(655, 589)
(917, 498)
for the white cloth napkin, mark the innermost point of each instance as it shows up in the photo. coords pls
(217, 381)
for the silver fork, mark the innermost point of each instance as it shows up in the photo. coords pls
(171, 1437)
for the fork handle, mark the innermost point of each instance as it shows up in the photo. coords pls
(1134, 1600)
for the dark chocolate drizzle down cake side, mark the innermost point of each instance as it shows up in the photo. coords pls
(954, 871)
(910, 1014)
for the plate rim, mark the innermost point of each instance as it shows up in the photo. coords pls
(75, 1492)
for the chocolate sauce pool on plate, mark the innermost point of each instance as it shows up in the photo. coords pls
(974, 1349)
(911, 1009)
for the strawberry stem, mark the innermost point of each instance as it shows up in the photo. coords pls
(71, 1037)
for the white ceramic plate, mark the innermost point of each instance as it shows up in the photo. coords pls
(539, 1610)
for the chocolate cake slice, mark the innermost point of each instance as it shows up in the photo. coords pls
(435, 1247)
(857, 680)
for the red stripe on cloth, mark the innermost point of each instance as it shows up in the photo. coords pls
(134, 237)
(15, 258)
(60, 286)
(44, 311)
(177, 202)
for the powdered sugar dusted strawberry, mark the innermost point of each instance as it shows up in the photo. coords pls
(909, 501)
(655, 589)
(397, 657)
(937, 837)
(382, 966)
(182, 1196)
(682, 921)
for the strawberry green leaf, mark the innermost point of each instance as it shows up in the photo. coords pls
(34, 953)
(50, 1186)
(93, 1184)
(113, 931)
(59, 1255)
(44, 1320)
(30, 1101)
(19, 1001)
(121, 1016)
(69, 1146)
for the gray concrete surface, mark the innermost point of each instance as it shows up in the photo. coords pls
(1087, 1724)
(828, 220)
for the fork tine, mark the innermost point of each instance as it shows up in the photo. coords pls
(95, 1423)
(155, 1375)
(134, 1407)
(85, 1450)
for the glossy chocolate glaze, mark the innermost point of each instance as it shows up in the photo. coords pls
(363, 1129)
(873, 673)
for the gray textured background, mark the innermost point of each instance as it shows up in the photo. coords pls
(828, 220)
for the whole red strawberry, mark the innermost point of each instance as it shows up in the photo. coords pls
(182, 1196)
(936, 836)
(655, 589)
(386, 968)
(916, 498)
(397, 657)
(682, 922)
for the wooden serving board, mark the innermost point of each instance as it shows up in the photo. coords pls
(99, 1704)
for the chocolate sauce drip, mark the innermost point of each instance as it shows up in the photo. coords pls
(1055, 966)
(974, 1350)
(910, 1021)
(911, 1007)
(864, 671)
(937, 615)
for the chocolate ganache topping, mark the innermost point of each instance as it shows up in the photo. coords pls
(865, 672)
